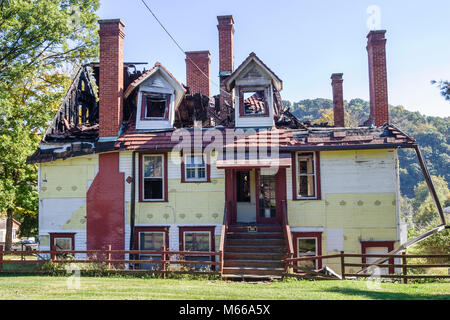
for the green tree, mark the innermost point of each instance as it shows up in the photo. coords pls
(41, 42)
(444, 87)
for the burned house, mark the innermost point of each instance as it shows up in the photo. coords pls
(111, 171)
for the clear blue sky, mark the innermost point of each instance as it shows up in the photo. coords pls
(303, 42)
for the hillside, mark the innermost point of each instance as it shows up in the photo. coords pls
(432, 134)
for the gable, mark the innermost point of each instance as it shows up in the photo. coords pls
(252, 72)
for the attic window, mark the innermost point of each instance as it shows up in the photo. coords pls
(155, 106)
(253, 103)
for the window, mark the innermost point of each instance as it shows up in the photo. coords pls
(197, 239)
(155, 106)
(378, 247)
(62, 242)
(195, 168)
(267, 197)
(14, 234)
(307, 247)
(308, 244)
(306, 181)
(153, 175)
(254, 103)
(151, 241)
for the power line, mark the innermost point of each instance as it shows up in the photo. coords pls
(181, 49)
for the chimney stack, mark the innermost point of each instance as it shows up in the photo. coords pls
(226, 61)
(226, 45)
(196, 80)
(111, 78)
(376, 49)
(338, 99)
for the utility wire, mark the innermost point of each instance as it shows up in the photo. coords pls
(181, 49)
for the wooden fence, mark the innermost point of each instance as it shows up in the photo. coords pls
(404, 265)
(115, 259)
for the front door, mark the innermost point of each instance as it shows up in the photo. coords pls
(270, 193)
(254, 196)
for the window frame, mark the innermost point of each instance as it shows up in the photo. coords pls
(242, 90)
(137, 241)
(144, 95)
(389, 244)
(309, 235)
(210, 230)
(295, 175)
(68, 235)
(207, 159)
(164, 177)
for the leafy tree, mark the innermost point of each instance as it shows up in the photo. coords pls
(41, 41)
(444, 87)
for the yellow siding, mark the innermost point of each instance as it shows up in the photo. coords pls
(188, 203)
(67, 178)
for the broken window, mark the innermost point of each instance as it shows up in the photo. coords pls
(307, 247)
(254, 103)
(155, 106)
(306, 175)
(195, 168)
(153, 178)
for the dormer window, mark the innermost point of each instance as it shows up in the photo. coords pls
(254, 86)
(253, 103)
(155, 106)
(158, 96)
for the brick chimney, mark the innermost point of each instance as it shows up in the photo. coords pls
(198, 81)
(376, 49)
(226, 60)
(111, 77)
(338, 99)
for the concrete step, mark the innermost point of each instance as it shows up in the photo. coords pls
(255, 235)
(250, 277)
(254, 263)
(252, 271)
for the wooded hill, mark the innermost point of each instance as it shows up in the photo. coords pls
(432, 134)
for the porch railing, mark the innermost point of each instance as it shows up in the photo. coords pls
(287, 234)
(223, 235)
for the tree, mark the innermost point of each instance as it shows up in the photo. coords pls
(444, 87)
(41, 41)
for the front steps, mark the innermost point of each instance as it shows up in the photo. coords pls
(254, 255)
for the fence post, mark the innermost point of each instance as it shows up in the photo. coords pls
(343, 265)
(1, 256)
(163, 262)
(109, 256)
(221, 262)
(405, 269)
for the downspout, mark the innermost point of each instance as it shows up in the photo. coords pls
(133, 199)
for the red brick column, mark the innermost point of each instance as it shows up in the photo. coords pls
(111, 77)
(198, 80)
(338, 99)
(376, 49)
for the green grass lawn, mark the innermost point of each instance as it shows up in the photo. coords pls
(47, 287)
